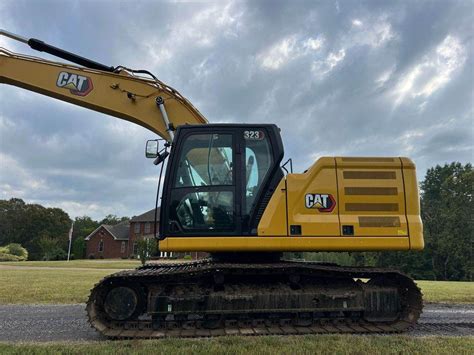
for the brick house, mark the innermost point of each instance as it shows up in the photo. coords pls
(109, 242)
(120, 241)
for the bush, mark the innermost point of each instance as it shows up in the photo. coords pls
(55, 254)
(17, 250)
(50, 249)
(9, 257)
(13, 252)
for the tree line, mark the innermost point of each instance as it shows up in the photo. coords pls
(44, 231)
(447, 212)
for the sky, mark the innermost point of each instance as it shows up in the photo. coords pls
(340, 78)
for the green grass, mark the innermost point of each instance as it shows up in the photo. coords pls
(314, 344)
(447, 291)
(31, 286)
(52, 282)
(92, 264)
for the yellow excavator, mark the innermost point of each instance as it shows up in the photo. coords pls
(225, 192)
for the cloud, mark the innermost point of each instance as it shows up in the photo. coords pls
(433, 72)
(373, 31)
(323, 67)
(338, 78)
(287, 50)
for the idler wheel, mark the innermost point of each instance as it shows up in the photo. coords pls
(123, 303)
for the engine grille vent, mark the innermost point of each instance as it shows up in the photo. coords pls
(371, 207)
(379, 221)
(386, 175)
(363, 160)
(381, 191)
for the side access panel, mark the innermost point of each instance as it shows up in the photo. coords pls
(312, 201)
(371, 197)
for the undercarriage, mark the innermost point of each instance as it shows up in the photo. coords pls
(213, 298)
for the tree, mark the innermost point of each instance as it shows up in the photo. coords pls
(79, 248)
(447, 209)
(113, 219)
(146, 247)
(50, 249)
(25, 224)
(83, 226)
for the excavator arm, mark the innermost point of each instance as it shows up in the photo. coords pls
(117, 92)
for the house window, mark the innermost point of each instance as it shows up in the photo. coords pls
(135, 248)
(137, 228)
(122, 247)
(101, 246)
(147, 227)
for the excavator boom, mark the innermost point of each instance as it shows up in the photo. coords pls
(116, 91)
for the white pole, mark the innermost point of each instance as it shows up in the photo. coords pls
(70, 241)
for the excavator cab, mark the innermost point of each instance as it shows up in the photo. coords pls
(219, 178)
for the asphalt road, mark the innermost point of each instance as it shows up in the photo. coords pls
(42, 323)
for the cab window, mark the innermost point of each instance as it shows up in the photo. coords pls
(205, 160)
(202, 198)
(258, 160)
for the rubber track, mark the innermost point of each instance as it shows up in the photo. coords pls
(160, 273)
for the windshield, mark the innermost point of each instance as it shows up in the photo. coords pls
(206, 160)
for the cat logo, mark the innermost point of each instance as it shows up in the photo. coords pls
(321, 202)
(77, 84)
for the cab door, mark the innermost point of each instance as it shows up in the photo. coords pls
(200, 191)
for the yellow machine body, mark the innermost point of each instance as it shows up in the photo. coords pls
(375, 206)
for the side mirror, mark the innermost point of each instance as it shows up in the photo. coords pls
(152, 147)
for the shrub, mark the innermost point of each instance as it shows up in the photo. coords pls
(55, 254)
(17, 250)
(13, 252)
(9, 257)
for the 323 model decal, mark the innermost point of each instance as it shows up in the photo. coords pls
(321, 202)
(77, 84)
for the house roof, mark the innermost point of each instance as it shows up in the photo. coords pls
(118, 231)
(147, 216)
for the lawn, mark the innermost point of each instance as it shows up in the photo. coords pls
(88, 264)
(313, 344)
(52, 282)
(447, 291)
(31, 286)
